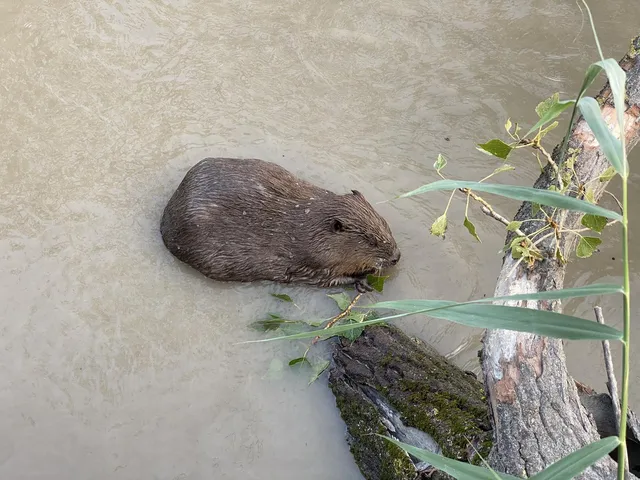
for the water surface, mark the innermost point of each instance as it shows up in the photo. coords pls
(118, 362)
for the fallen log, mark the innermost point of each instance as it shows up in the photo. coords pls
(535, 407)
(390, 384)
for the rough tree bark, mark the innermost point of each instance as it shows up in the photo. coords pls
(536, 409)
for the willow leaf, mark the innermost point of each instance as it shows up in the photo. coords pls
(609, 144)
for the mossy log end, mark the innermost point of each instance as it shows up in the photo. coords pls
(390, 384)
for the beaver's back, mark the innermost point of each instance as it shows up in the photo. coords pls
(240, 219)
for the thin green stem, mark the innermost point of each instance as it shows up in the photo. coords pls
(466, 209)
(626, 343)
(449, 202)
(593, 29)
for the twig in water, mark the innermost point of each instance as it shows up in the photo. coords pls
(346, 312)
(341, 315)
(612, 384)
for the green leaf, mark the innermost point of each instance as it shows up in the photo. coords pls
(535, 208)
(578, 461)
(503, 168)
(543, 197)
(441, 162)
(318, 368)
(495, 147)
(589, 77)
(342, 299)
(472, 229)
(353, 334)
(617, 79)
(439, 226)
(295, 361)
(594, 222)
(376, 282)
(586, 246)
(607, 175)
(610, 145)
(507, 125)
(590, 196)
(282, 296)
(513, 226)
(547, 129)
(518, 240)
(272, 324)
(455, 468)
(543, 107)
(548, 110)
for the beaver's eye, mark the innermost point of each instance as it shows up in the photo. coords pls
(372, 240)
(337, 226)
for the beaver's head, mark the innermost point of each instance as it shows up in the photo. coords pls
(354, 240)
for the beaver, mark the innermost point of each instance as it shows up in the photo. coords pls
(249, 220)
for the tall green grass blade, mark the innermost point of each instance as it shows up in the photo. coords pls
(617, 79)
(540, 322)
(520, 319)
(412, 307)
(609, 144)
(619, 104)
(455, 468)
(576, 462)
(575, 292)
(535, 195)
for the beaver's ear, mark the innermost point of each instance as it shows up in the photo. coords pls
(357, 193)
(337, 226)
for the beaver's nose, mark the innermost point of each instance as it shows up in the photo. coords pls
(395, 258)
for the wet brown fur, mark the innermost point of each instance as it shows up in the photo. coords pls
(248, 219)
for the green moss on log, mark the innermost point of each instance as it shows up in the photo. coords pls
(428, 392)
(363, 421)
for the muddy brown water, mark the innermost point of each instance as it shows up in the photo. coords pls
(117, 362)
